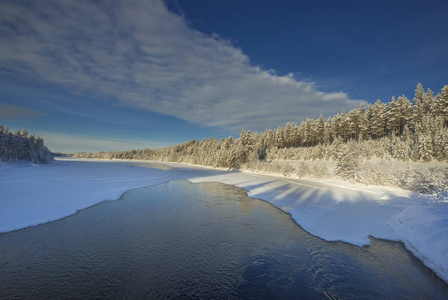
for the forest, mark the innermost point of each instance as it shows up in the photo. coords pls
(401, 130)
(22, 146)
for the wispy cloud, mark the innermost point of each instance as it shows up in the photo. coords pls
(9, 112)
(142, 55)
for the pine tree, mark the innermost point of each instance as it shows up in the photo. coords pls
(308, 134)
(364, 125)
(279, 140)
(337, 148)
(393, 117)
(443, 104)
(344, 126)
(425, 147)
(295, 135)
(439, 139)
(312, 131)
(378, 120)
(416, 140)
(328, 131)
(418, 108)
(353, 118)
(320, 130)
(405, 112)
(370, 112)
(444, 141)
(4, 133)
(429, 103)
(270, 139)
(337, 131)
(288, 135)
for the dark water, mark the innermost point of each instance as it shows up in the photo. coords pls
(200, 241)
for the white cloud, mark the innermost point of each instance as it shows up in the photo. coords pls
(147, 57)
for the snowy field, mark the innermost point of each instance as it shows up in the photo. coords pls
(35, 194)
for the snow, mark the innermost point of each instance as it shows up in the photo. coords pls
(329, 211)
(34, 194)
(425, 233)
(332, 210)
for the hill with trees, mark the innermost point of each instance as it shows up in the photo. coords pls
(22, 146)
(358, 141)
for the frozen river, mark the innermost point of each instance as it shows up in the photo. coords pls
(184, 240)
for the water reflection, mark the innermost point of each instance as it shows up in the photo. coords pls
(200, 241)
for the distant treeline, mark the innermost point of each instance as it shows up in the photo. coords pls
(60, 154)
(22, 146)
(401, 129)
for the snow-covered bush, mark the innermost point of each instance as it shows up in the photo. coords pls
(347, 161)
(417, 177)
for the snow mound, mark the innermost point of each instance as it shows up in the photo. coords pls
(424, 231)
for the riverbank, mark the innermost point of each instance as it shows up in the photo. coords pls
(334, 211)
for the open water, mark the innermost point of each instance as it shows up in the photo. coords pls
(181, 240)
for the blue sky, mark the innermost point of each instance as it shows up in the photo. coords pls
(116, 75)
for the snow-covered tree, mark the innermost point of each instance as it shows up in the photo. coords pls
(419, 107)
(353, 119)
(443, 104)
(364, 126)
(344, 126)
(328, 131)
(378, 120)
(393, 117)
(320, 130)
(405, 112)
(347, 161)
(21, 146)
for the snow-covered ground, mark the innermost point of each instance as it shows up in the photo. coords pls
(333, 210)
(34, 194)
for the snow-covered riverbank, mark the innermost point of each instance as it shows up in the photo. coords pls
(35, 194)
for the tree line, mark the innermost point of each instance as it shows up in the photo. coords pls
(402, 129)
(22, 146)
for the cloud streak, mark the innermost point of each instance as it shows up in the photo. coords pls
(140, 54)
(9, 112)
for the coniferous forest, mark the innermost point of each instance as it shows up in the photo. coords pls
(402, 130)
(22, 146)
